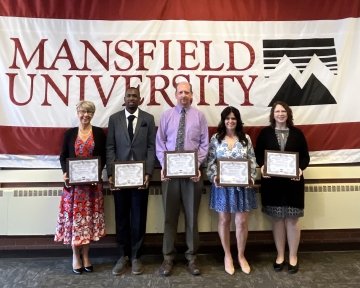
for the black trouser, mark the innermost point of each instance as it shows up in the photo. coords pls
(130, 217)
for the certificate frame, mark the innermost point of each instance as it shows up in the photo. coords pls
(180, 164)
(281, 164)
(239, 175)
(83, 170)
(128, 174)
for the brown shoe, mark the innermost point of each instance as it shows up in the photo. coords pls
(166, 267)
(193, 268)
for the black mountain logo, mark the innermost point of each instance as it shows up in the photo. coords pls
(313, 93)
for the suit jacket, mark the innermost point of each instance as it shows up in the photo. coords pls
(141, 148)
(68, 148)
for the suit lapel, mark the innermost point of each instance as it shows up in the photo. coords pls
(138, 124)
(123, 125)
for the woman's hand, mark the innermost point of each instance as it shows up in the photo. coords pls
(298, 178)
(66, 180)
(216, 181)
(262, 172)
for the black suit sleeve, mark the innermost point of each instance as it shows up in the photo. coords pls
(150, 157)
(110, 145)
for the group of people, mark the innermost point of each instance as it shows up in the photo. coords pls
(132, 136)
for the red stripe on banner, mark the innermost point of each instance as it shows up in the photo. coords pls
(47, 141)
(321, 137)
(31, 140)
(239, 10)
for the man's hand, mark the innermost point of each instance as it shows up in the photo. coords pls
(146, 182)
(196, 178)
(111, 183)
(162, 177)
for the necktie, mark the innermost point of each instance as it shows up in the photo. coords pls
(130, 126)
(180, 137)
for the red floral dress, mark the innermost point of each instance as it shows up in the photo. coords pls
(81, 216)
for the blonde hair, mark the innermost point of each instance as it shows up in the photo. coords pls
(86, 105)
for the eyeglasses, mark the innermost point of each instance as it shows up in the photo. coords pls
(83, 112)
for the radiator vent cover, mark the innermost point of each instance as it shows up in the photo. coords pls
(332, 187)
(156, 190)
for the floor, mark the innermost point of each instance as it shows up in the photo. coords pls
(317, 269)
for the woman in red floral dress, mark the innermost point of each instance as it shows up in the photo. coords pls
(81, 216)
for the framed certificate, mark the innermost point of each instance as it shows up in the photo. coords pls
(233, 172)
(128, 174)
(180, 164)
(83, 170)
(281, 164)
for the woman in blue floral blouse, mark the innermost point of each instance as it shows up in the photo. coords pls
(230, 142)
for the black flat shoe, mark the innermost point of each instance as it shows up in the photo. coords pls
(293, 269)
(77, 271)
(89, 269)
(279, 267)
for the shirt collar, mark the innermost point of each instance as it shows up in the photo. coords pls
(178, 108)
(136, 113)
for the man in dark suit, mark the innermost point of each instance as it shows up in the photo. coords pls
(131, 136)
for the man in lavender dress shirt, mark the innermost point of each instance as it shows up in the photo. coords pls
(181, 191)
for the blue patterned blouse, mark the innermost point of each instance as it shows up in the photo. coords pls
(221, 150)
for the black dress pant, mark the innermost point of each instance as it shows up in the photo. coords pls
(130, 219)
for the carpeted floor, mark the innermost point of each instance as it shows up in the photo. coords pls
(317, 269)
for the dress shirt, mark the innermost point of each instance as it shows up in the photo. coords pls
(196, 133)
(136, 114)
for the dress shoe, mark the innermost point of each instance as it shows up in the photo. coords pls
(166, 267)
(292, 269)
(193, 268)
(136, 267)
(229, 266)
(245, 268)
(120, 266)
(89, 269)
(279, 267)
(77, 271)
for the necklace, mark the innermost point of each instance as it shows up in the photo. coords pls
(84, 132)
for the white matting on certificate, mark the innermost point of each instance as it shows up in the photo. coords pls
(83, 170)
(128, 174)
(180, 164)
(233, 172)
(281, 164)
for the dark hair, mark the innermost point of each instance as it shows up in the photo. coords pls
(289, 121)
(132, 88)
(221, 129)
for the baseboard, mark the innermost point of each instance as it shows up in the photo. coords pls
(311, 240)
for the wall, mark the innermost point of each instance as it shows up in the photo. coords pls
(29, 203)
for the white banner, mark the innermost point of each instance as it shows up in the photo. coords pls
(49, 65)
